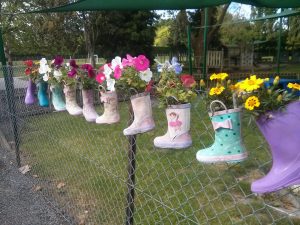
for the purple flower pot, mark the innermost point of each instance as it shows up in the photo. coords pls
(29, 97)
(282, 132)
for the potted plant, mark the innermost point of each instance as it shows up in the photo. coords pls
(32, 72)
(226, 121)
(108, 75)
(70, 79)
(87, 75)
(137, 75)
(54, 78)
(277, 115)
(42, 85)
(175, 94)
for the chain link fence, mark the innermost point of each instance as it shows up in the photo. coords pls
(96, 175)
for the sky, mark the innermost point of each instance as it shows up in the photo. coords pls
(235, 8)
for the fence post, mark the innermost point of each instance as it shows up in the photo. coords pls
(10, 96)
(279, 44)
(204, 68)
(131, 175)
(190, 49)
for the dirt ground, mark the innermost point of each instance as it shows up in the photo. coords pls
(20, 204)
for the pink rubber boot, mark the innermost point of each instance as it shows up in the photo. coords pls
(111, 111)
(142, 109)
(177, 135)
(88, 110)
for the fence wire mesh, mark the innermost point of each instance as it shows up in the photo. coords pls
(86, 170)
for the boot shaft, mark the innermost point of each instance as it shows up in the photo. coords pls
(110, 101)
(227, 125)
(178, 117)
(141, 105)
(88, 97)
(281, 130)
(70, 94)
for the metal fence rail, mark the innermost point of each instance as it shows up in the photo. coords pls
(98, 176)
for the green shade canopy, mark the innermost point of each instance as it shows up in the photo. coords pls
(93, 5)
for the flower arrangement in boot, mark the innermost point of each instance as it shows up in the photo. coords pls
(275, 110)
(42, 85)
(55, 78)
(226, 120)
(70, 79)
(137, 75)
(32, 72)
(175, 93)
(87, 75)
(108, 75)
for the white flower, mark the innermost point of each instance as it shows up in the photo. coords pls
(57, 74)
(107, 71)
(46, 77)
(117, 61)
(43, 61)
(146, 75)
(44, 68)
(110, 84)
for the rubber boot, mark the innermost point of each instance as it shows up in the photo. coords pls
(177, 136)
(111, 111)
(228, 145)
(142, 109)
(89, 111)
(42, 94)
(29, 97)
(71, 104)
(281, 130)
(57, 98)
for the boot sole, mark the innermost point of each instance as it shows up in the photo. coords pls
(175, 146)
(139, 131)
(281, 184)
(228, 158)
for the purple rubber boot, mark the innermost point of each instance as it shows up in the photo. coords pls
(29, 97)
(281, 131)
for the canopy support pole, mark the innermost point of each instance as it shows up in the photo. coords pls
(279, 44)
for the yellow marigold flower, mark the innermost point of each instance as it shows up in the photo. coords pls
(294, 86)
(276, 80)
(216, 90)
(252, 102)
(202, 83)
(213, 76)
(219, 76)
(251, 84)
(267, 79)
(279, 98)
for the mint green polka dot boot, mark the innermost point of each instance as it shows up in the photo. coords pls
(228, 145)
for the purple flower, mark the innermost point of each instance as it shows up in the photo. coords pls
(91, 73)
(73, 63)
(72, 73)
(58, 61)
(87, 67)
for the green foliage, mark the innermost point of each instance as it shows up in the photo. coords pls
(162, 36)
(178, 32)
(171, 90)
(130, 79)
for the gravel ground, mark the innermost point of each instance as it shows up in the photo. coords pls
(19, 204)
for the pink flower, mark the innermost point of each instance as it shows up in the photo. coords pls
(87, 67)
(141, 63)
(117, 72)
(58, 61)
(129, 61)
(187, 80)
(27, 71)
(72, 73)
(73, 63)
(100, 78)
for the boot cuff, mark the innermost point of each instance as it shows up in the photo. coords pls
(218, 113)
(180, 106)
(139, 95)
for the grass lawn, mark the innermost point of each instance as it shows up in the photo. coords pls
(172, 187)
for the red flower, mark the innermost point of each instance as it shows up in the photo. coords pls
(149, 86)
(187, 80)
(27, 71)
(28, 63)
(100, 78)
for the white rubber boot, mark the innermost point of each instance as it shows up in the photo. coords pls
(111, 111)
(177, 135)
(142, 109)
(88, 110)
(71, 104)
